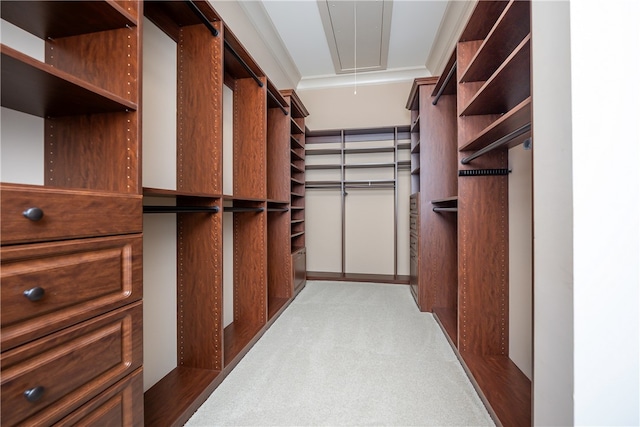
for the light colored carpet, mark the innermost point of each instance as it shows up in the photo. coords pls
(347, 354)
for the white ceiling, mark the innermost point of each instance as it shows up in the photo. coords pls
(420, 32)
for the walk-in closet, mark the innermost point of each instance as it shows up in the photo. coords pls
(318, 213)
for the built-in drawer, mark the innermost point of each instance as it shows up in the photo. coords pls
(299, 265)
(37, 214)
(413, 223)
(47, 379)
(413, 203)
(48, 286)
(120, 405)
(413, 243)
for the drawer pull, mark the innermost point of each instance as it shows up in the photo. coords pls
(34, 294)
(34, 394)
(34, 214)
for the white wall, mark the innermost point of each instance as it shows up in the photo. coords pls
(521, 259)
(605, 66)
(553, 215)
(586, 213)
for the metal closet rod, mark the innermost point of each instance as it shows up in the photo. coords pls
(180, 209)
(195, 9)
(272, 96)
(497, 143)
(244, 64)
(437, 209)
(445, 83)
(277, 209)
(239, 209)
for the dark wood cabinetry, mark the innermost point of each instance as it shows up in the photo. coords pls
(466, 121)
(72, 243)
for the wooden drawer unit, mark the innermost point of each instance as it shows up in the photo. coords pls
(36, 214)
(299, 263)
(47, 379)
(414, 204)
(413, 243)
(48, 286)
(120, 405)
(413, 223)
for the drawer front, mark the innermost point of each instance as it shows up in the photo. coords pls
(120, 405)
(65, 214)
(46, 287)
(299, 263)
(413, 203)
(66, 369)
(413, 223)
(413, 243)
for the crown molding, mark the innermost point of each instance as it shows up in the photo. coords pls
(259, 18)
(455, 18)
(363, 79)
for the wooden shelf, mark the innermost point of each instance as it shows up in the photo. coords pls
(416, 171)
(41, 90)
(416, 148)
(415, 126)
(294, 235)
(448, 319)
(54, 19)
(482, 18)
(296, 156)
(504, 387)
(296, 181)
(236, 338)
(503, 39)
(369, 150)
(322, 167)
(296, 168)
(358, 277)
(296, 143)
(368, 165)
(519, 116)
(514, 73)
(404, 146)
(193, 386)
(275, 305)
(296, 194)
(323, 151)
(159, 192)
(296, 221)
(451, 88)
(295, 128)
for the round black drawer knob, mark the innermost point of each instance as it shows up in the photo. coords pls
(34, 394)
(34, 214)
(34, 294)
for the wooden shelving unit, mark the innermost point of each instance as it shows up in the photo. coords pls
(484, 110)
(337, 150)
(81, 269)
(297, 160)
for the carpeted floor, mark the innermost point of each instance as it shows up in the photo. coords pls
(347, 354)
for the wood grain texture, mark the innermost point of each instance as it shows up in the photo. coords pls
(97, 152)
(483, 258)
(299, 270)
(250, 268)
(503, 386)
(80, 278)
(249, 139)
(279, 282)
(120, 405)
(67, 214)
(278, 155)
(199, 287)
(192, 386)
(482, 19)
(437, 276)
(199, 159)
(73, 366)
(106, 59)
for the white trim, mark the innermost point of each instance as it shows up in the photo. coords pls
(259, 18)
(368, 78)
(453, 22)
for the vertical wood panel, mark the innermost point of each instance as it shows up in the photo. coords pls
(199, 111)
(249, 139)
(278, 155)
(199, 287)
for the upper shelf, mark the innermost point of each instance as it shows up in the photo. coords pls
(482, 18)
(55, 19)
(295, 127)
(39, 89)
(504, 37)
(447, 78)
(514, 74)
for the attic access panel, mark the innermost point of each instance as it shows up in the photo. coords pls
(357, 31)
